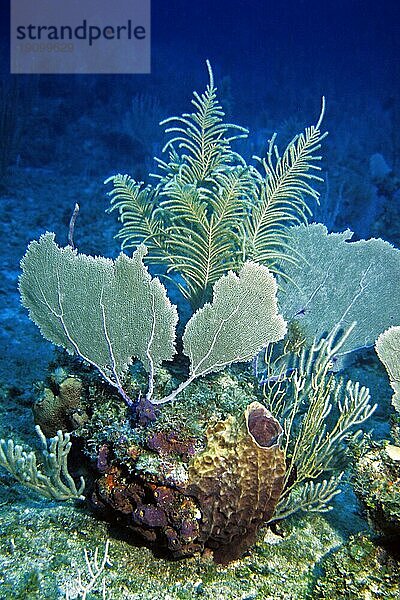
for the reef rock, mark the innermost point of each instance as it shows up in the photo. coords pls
(238, 480)
(160, 514)
(229, 490)
(376, 482)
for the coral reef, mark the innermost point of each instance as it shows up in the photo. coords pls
(377, 465)
(217, 499)
(160, 514)
(207, 470)
(42, 550)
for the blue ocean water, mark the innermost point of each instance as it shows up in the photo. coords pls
(272, 64)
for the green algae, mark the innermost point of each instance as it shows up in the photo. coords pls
(42, 547)
(360, 569)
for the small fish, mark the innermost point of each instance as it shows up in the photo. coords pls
(276, 378)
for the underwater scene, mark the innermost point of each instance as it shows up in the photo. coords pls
(200, 302)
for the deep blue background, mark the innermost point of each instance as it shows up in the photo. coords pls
(351, 45)
(272, 62)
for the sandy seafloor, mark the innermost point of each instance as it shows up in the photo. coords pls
(68, 144)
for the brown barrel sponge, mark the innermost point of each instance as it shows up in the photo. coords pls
(238, 480)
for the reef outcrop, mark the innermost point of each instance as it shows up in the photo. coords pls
(231, 488)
